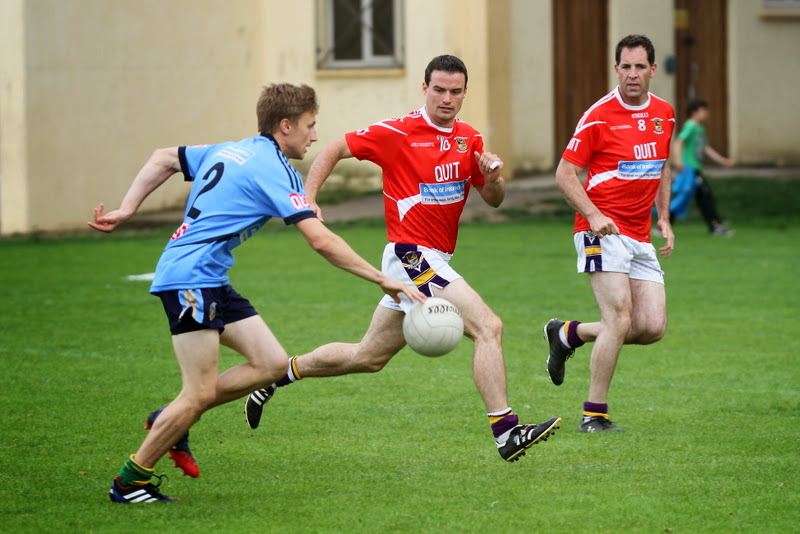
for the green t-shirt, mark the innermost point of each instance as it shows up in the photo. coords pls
(693, 135)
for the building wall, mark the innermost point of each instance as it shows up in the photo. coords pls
(533, 119)
(14, 212)
(98, 89)
(531, 28)
(104, 87)
(88, 91)
(654, 19)
(354, 99)
(764, 67)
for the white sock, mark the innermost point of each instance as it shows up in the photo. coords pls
(562, 335)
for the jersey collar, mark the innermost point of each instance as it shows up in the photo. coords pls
(628, 106)
(424, 113)
(269, 136)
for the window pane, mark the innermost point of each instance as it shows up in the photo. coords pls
(383, 27)
(347, 29)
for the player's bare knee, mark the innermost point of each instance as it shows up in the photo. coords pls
(649, 333)
(489, 328)
(655, 334)
(619, 326)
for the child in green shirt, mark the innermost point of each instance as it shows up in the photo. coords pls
(690, 148)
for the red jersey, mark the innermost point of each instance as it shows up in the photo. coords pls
(625, 148)
(427, 174)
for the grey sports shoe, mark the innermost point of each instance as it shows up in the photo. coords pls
(721, 230)
(597, 423)
(255, 405)
(559, 353)
(522, 437)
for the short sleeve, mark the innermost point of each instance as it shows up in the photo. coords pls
(686, 132)
(191, 158)
(374, 143)
(285, 193)
(583, 142)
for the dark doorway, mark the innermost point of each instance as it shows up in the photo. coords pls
(701, 64)
(580, 62)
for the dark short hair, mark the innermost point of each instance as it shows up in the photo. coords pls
(634, 41)
(694, 105)
(283, 101)
(445, 63)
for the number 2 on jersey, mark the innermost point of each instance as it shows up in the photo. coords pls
(217, 169)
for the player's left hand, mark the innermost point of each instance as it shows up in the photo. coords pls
(490, 165)
(393, 288)
(317, 210)
(666, 232)
(108, 222)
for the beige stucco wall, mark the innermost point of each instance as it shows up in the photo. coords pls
(764, 86)
(88, 91)
(99, 89)
(533, 118)
(104, 87)
(13, 147)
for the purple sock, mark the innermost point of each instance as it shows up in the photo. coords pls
(572, 335)
(291, 374)
(595, 408)
(504, 425)
(285, 381)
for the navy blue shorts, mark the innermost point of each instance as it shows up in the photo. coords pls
(209, 307)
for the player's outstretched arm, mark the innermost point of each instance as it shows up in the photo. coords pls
(336, 250)
(322, 167)
(162, 164)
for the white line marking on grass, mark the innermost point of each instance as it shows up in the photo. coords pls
(147, 277)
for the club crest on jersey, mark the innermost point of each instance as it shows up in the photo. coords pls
(658, 126)
(461, 144)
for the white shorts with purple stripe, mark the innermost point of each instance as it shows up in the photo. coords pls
(617, 254)
(422, 267)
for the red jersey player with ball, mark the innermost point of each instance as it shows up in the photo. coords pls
(431, 161)
(624, 139)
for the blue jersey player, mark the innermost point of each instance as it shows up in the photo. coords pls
(236, 188)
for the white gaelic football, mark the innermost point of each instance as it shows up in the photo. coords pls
(434, 327)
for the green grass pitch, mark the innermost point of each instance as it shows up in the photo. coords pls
(711, 411)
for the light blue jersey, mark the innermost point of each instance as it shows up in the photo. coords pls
(238, 187)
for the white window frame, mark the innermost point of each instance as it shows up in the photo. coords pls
(780, 9)
(369, 60)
